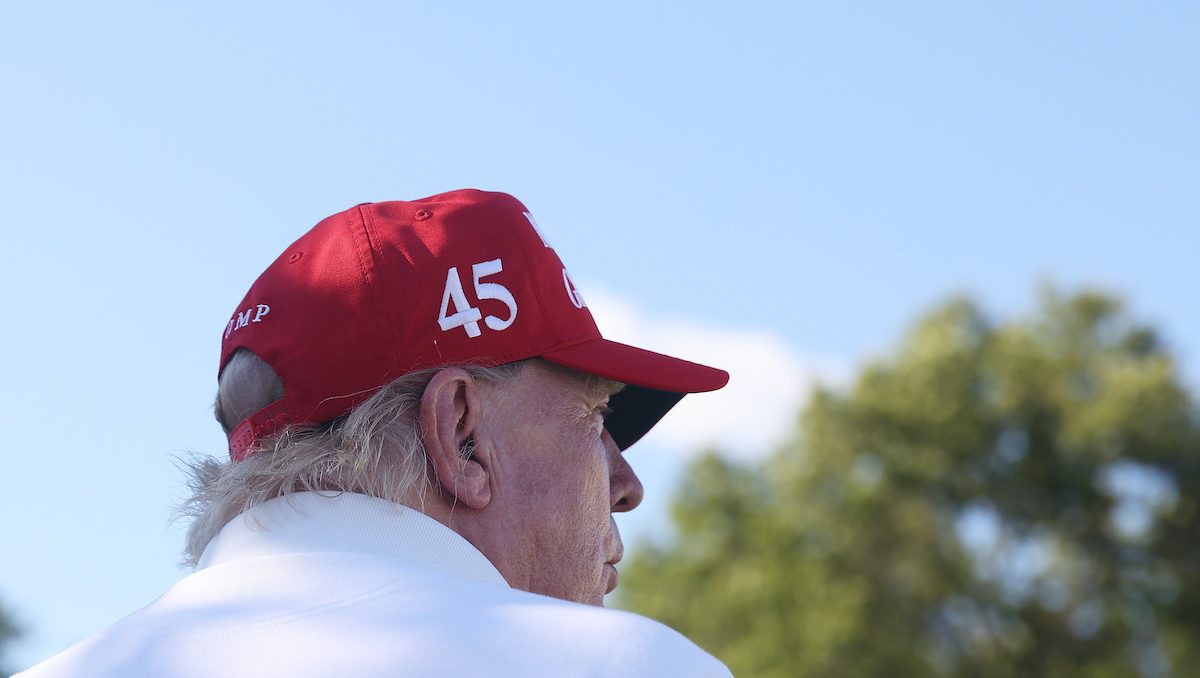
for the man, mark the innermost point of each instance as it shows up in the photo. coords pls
(426, 434)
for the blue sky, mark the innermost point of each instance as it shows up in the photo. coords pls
(783, 186)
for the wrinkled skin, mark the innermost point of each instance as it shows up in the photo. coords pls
(537, 494)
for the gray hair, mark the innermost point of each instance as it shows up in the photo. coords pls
(375, 450)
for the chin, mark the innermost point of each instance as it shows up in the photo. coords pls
(595, 597)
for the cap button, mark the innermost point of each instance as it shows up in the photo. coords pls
(422, 215)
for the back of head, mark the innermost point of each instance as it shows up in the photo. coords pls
(375, 449)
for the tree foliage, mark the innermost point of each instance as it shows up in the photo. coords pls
(1012, 499)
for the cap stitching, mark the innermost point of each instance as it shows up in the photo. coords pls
(376, 256)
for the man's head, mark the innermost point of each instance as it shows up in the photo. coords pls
(436, 353)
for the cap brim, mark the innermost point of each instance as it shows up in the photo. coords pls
(654, 382)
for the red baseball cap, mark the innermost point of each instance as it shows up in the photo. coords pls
(383, 289)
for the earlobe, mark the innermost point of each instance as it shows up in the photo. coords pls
(450, 411)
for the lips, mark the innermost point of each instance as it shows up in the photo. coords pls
(610, 568)
(612, 577)
(617, 552)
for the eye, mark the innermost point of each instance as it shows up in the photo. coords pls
(601, 416)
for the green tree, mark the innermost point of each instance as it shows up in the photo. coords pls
(1013, 499)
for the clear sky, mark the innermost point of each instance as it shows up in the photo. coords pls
(778, 188)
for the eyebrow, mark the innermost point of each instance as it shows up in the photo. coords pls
(601, 388)
(595, 387)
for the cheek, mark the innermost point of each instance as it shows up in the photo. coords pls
(568, 488)
(598, 478)
(582, 486)
(592, 517)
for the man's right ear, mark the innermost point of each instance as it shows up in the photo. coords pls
(449, 413)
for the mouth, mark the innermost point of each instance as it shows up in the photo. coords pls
(611, 570)
(615, 556)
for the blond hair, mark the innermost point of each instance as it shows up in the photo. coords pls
(375, 449)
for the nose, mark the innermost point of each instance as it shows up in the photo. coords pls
(625, 490)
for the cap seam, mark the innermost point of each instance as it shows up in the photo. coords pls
(368, 223)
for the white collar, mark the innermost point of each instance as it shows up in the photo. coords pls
(313, 522)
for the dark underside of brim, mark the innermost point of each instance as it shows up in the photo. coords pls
(635, 410)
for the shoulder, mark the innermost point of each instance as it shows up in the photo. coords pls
(373, 618)
(570, 636)
(471, 627)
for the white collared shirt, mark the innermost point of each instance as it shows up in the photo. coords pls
(349, 585)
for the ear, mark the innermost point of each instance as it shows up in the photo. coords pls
(450, 412)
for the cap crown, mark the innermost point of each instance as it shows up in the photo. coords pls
(382, 289)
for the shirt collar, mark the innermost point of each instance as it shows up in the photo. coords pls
(322, 522)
